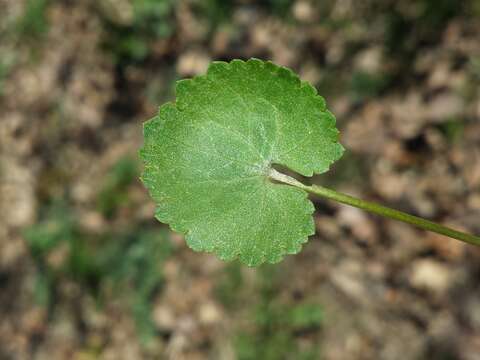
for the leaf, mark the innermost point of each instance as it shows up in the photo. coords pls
(208, 157)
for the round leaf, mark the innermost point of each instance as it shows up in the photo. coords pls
(208, 157)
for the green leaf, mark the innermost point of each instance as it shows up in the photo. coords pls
(208, 158)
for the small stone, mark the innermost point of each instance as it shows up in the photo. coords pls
(209, 314)
(447, 248)
(303, 11)
(430, 275)
(163, 317)
(193, 63)
(359, 223)
(369, 60)
(444, 107)
(348, 278)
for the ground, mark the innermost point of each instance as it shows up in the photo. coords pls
(85, 270)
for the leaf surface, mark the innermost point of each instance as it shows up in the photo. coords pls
(208, 157)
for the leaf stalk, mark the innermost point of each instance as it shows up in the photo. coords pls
(377, 209)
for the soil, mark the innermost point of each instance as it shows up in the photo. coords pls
(404, 85)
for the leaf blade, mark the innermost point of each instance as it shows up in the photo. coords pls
(208, 157)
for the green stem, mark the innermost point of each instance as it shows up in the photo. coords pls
(377, 209)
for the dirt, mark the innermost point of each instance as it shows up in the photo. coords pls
(408, 110)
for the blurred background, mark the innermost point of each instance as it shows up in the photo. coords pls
(87, 273)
